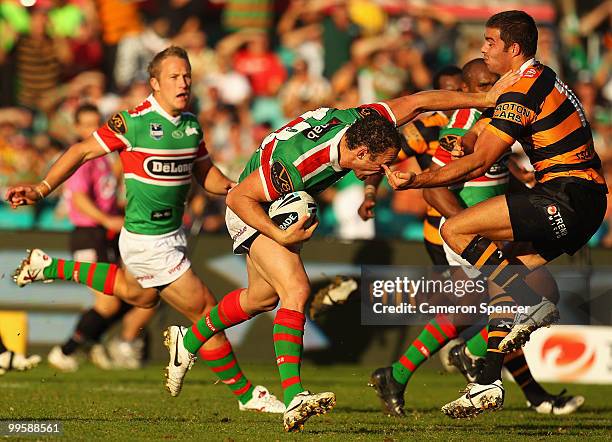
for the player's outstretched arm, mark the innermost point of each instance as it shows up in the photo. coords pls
(409, 106)
(211, 178)
(245, 201)
(464, 169)
(59, 172)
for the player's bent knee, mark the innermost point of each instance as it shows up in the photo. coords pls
(447, 233)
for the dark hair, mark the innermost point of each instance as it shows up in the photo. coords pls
(446, 71)
(516, 27)
(171, 51)
(376, 133)
(85, 107)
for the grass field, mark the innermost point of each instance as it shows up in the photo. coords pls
(123, 405)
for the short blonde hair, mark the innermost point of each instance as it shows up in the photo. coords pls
(171, 51)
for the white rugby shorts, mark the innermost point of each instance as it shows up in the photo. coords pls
(241, 233)
(154, 260)
(454, 259)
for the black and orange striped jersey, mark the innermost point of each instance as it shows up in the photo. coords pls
(545, 116)
(422, 138)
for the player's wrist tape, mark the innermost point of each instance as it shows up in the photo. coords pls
(47, 184)
(39, 189)
(370, 189)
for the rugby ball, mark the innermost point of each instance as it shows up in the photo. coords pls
(288, 209)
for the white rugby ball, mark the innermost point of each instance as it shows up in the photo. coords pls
(288, 209)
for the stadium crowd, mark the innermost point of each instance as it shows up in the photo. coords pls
(255, 65)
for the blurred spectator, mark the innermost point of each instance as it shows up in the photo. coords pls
(338, 35)
(239, 15)
(253, 58)
(118, 19)
(14, 20)
(38, 62)
(135, 51)
(303, 92)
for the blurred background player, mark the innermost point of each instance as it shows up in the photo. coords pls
(9, 360)
(91, 194)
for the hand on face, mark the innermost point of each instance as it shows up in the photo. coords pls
(399, 180)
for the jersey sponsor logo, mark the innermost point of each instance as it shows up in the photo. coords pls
(156, 131)
(160, 215)
(448, 142)
(530, 73)
(116, 123)
(556, 221)
(177, 134)
(512, 112)
(317, 132)
(160, 167)
(280, 178)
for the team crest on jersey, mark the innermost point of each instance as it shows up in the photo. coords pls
(156, 131)
(448, 142)
(116, 123)
(281, 181)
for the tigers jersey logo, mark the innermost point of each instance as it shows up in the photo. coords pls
(116, 123)
(449, 142)
(280, 178)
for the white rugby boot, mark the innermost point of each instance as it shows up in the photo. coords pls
(305, 405)
(58, 360)
(181, 360)
(477, 398)
(543, 314)
(31, 268)
(9, 360)
(262, 401)
(99, 357)
(559, 404)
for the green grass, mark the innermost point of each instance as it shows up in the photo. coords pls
(123, 405)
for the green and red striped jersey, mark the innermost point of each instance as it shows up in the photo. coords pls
(304, 154)
(494, 182)
(157, 152)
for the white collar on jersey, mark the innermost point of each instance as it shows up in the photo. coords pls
(527, 64)
(334, 150)
(174, 120)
